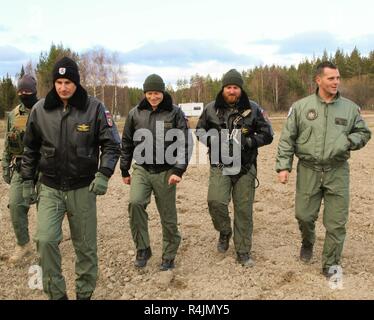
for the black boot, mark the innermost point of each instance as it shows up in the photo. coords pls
(245, 259)
(223, 242)
(306, 253)
(142, 256)
(167, 264)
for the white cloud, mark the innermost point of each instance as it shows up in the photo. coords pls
(183, 36)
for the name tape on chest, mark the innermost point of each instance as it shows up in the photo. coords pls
(341, 121)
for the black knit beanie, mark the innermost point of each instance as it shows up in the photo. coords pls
(66, 68)
(27, 83)
(232, 77)
(154, 83)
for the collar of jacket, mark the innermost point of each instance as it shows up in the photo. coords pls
(242, 105)
(337, 97)
(166, 104)
(78, 100)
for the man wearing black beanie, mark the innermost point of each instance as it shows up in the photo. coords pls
(160, 173)
(11, 163)
(66, 68)
(73, 140)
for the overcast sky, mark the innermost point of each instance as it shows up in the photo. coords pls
(177, 39)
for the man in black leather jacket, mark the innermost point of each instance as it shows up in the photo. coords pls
(233, 127)
(155, 117)
(72, 139)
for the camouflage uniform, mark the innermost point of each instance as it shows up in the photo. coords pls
(13, 150)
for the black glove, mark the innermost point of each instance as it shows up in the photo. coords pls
(246, 139)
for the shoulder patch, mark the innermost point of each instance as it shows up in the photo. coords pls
(109, 118)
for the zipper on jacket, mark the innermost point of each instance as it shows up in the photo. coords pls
(153, 120)
(63, 141)
(326, 111)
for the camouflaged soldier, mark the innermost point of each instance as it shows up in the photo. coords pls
(322, 130)
(11, 163)
(73, 140)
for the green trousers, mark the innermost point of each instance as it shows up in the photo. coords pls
(333, 187)
(80, 207)
(142, 185)
(219, 197)
(19, 210)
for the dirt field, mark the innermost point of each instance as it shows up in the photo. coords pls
(201, 272)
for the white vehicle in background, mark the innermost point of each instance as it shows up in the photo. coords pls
(193, 109)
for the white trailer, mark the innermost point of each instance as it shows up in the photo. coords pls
(193, 109)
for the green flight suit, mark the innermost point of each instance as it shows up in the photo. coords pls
(143, 183)
(80, 207)
(219, 196)
(322, 135)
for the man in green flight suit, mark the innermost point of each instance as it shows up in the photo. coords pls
(321, 130)
(11, 163)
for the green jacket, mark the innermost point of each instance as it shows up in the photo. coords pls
(321, 134)
(15, 130)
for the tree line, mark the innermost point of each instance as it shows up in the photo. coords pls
(276, 87)
(273, 87)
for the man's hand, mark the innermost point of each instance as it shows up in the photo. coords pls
(6, 175)
(126, 180)
(283, 176)
(174, 179)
